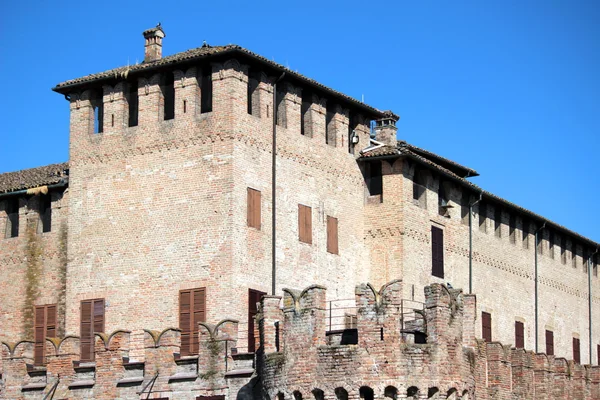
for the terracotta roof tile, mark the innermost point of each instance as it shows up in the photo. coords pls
(375, 151)
(33, 177)
(204, 52)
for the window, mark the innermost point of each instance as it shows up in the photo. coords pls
(352, 133)
(576, 349)
(305, 224)
(305, 123)
(595, 265)
(12, 218)
(254, 208)
(332, 235)
(464, 208)
(97, 103)
(549, 343)
(519, 335)
(512, 222)
(437, 252)
(330, 127)
(482, 217)
(574, 254)
(525, 230)
(498, 222)
(206, 88)
(486, 326)
(563, 249)
(92, 320)
(254, 297)
(45, 214)
(373, 178)
(540, 240)
(44, 326)
(281, 111)
(133, 103)
(442, 200)
(551, 244)
(419, 188)
(253, 92)
(192, 310)
(168, 92)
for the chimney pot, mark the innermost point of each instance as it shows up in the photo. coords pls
(153, 46)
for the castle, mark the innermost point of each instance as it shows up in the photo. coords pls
(149, 265)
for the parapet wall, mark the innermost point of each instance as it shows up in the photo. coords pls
(386, 361)
(128, 365)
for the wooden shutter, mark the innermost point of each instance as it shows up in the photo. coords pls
(519, 335)
(332, 235)
(486, 326)
(437, 252)
(92, 320)
(550, 343)
(44, 327)
(254, 208)
(305, 223)
(254, 297)
(192, 310)
(576, 354)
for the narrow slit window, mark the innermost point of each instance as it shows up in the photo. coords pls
(330, 128)
(512, 228)
(352, 133)
(305, 126)
(12, 218)
(525, 230)
(549, 343)
(576, 350)
(519, 335)
(280, 107)
(253, 92)
(551, 244)
(45, 213)
(563, 249)
(482, 217)
(168, 89)
(185, 106)
(419, 188)
(464, 208)
(498, 222)
(133, 104)
(574, 254)
(486, 326)
(98, 108)
(584, 260)
(206, 88)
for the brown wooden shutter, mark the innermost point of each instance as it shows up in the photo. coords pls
(305, 223)
(486, 326)
(254, 208)
(39, 333)
(437, 252)
(92, 320)
(519, 335)
(576, 353)
(192, 310)
(332, 235)
(550, 343)
(254, 297)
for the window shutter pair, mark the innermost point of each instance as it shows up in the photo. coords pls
(550, 343)
(92, 320)
(519, 335)
(332, 235)
(253, 207)
(486, 326)
(192, 310)
(254, 297)
(305, 223)
(437, 252)
(44, 326)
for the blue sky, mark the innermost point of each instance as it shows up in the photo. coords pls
(509, 88)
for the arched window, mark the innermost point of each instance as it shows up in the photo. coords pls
(391, 392)
(318, 393)
(366, 393)
(341, 393)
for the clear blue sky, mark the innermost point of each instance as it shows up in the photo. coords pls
(509, 88)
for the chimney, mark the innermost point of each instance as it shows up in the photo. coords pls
(386, 130)
(153, 44)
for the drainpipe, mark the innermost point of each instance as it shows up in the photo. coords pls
(590, 302)
(274, 185)
(471, 242)
(63, 183)
(535, 249)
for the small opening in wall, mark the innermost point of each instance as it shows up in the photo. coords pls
(112, 120)
(184, 106)
(381, 334)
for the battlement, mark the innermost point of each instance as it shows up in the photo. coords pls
(385, 361)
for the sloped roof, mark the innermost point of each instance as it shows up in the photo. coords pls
(33, 177)
(432, 160)
(205, 52)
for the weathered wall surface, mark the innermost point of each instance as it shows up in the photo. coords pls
(33, 265)
(503, 272)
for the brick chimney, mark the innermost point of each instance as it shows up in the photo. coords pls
(385, 128)
(153, 44)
